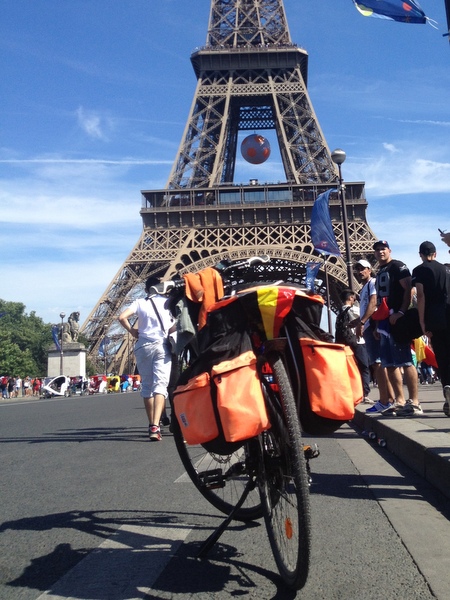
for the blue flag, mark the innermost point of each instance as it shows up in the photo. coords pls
(405, 11)
(102, 348)
(55, 335)
(322, 234)
(312, 268)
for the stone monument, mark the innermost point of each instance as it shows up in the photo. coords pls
(67, 356)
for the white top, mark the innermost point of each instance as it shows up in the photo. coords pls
(353, 313)
(149, 326)
(368, 290)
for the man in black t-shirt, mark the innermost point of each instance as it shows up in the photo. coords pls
(393, 284)
(432, 282)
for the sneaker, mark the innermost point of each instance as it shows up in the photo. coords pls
(368, 400)
(378, 407)
(446, 407)
(392, 409)
(410, 410)
(154, 433)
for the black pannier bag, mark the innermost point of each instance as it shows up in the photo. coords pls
(207, 400)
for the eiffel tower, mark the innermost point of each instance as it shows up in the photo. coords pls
(250, 76)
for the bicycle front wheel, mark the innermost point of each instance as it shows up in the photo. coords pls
(283, 482)
(221, 479)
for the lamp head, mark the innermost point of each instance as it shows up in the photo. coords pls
(338, 156)
(62, 315)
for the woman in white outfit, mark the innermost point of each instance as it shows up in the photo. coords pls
(153, 354)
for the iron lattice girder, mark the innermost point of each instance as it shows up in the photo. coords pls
(235, 23)
(208, 150)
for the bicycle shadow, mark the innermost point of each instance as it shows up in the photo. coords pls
(132, 543)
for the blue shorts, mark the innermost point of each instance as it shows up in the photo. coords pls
(393, 354)
(372, 346)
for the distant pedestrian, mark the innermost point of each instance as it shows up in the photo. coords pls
(394, 285)
(18, 387)
(27, 386)
(4, 386)
(432, 281)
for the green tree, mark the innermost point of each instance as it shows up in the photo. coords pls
(24, 341)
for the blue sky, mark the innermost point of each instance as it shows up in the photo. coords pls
(95, 97)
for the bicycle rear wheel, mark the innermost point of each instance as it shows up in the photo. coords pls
(284, 482)
(221, 479)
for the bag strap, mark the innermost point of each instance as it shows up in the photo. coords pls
(158, 315)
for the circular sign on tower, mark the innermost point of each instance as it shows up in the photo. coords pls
(255, 149)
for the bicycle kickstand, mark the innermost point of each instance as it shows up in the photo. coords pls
(213, 538)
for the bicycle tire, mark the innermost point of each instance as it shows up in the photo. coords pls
(284, 484)
(197, 460)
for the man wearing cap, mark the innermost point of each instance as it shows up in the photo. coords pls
(367, 306)
(432, 281)
(394, 284)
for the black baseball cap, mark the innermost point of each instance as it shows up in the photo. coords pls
(427, 248)
(381, 243)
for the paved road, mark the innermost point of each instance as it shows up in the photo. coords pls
(91, 510)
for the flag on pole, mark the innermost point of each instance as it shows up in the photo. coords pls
(102, 347)
(312, 268)
(322, 234)
(55, 335)
(404, 11)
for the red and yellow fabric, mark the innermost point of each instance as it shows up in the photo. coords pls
(274, 304)
(424, 353)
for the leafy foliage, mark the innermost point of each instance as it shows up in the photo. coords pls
(24, 341)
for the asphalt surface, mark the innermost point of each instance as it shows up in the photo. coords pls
(91, 510)
(422, 443)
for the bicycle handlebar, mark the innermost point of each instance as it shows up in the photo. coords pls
(165, 288)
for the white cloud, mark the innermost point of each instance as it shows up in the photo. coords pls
(401, 171)
(94, 124)
(390, 148)
(426, 122)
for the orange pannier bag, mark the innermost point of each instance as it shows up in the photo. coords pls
(240, 400)
(194, 410)
(332, 378)
(227, 405)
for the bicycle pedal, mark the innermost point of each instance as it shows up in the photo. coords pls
(212, 479)
(311, 451)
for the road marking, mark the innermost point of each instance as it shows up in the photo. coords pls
(124, 566)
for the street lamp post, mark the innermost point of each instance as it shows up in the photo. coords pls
(338, 156)
(61, 353)
(106, 341)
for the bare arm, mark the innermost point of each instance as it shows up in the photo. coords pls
(366, 316)
(421, 308)
(123, 320)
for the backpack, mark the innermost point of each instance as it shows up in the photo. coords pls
(344, 334)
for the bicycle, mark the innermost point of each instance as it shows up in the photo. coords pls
(268, 474)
